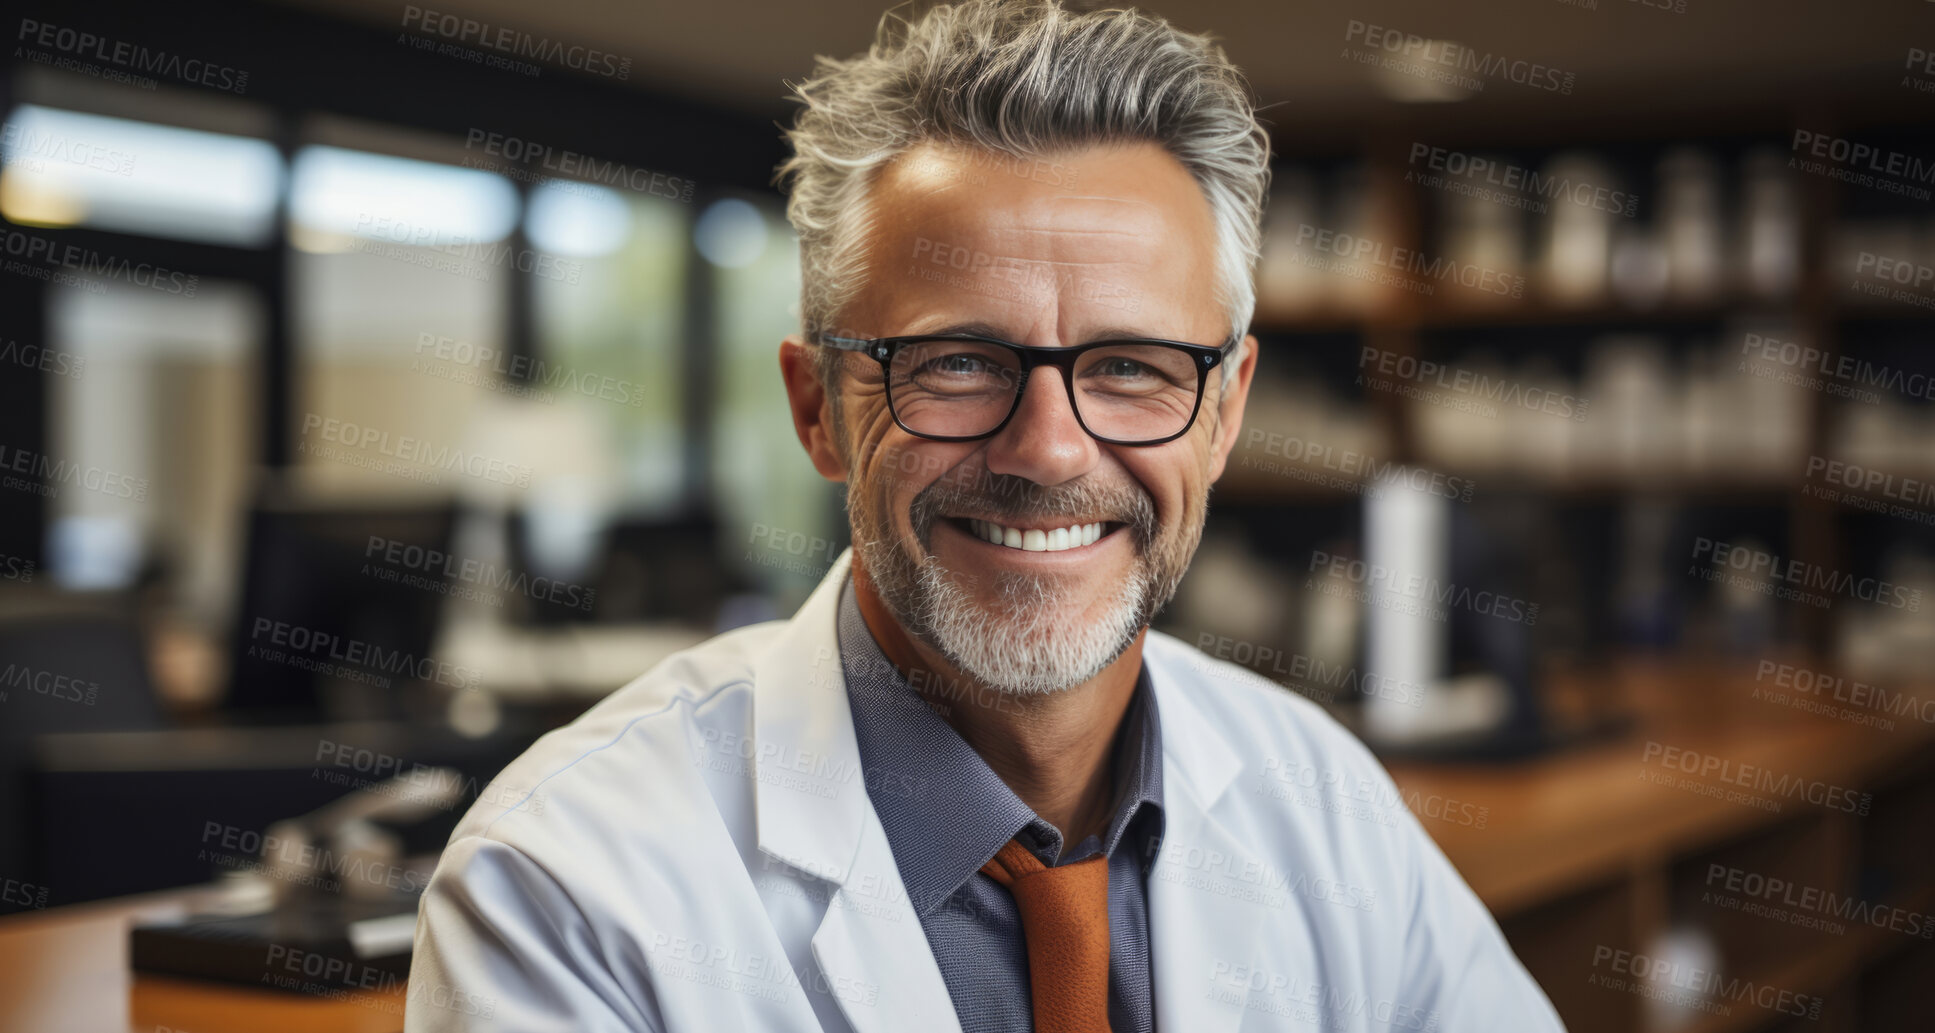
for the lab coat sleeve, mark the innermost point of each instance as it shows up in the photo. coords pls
(1459, 969)
(501, 946)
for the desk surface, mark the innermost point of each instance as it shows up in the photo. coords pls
(1564, 822)
(65, 970)
(1551, 826)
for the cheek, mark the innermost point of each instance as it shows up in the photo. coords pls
(1174, 475)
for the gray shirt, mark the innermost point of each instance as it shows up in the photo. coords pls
(946, 813)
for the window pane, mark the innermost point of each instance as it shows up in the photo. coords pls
(153, 410)
(764, 479)
(399, 265)
(609, 329)
(65, 168)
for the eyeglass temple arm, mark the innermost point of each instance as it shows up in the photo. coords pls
(851, 344)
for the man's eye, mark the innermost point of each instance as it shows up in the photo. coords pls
(960, 364)
(1125, 369)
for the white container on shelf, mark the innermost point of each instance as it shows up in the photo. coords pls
(1769, 259)
(1692, 226)
(1576, 257)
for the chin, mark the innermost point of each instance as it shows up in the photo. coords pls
(1026, 633)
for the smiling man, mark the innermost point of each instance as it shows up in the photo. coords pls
(966, 787)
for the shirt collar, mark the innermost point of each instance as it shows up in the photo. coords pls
(945, 811)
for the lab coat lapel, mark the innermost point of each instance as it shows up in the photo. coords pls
(1202, 920)
(870, 945)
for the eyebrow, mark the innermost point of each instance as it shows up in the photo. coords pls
(1107, 333)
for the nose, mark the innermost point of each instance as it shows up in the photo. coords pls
(1043, 442)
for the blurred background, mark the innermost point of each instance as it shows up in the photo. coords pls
(382, 386)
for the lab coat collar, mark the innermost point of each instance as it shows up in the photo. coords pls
(801, 717)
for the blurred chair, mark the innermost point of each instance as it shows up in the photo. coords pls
(71, 664)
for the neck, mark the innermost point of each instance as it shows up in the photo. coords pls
(1053, 749)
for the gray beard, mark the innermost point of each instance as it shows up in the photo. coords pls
(1040, 638)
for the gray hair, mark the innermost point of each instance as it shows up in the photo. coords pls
(1022, 78)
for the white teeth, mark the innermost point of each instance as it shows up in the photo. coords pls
(1056, 539)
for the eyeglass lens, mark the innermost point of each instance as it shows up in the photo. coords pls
(1125, 392)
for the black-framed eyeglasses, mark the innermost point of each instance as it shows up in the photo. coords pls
(965, 387)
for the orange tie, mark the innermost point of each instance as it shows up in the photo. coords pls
(1065, 921)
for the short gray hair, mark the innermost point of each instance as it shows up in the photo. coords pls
(1022, 78)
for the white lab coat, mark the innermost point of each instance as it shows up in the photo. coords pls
(700, 854)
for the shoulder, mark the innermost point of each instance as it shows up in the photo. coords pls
(1296, 776)
(634, 745)
(1258, 716)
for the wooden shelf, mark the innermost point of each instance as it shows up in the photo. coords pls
(1578, 850)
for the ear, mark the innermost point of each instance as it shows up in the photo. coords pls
(812, 408)
(1229, 409)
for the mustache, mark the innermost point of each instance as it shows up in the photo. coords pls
(1007, 499)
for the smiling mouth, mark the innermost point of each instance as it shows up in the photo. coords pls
(1032, 539)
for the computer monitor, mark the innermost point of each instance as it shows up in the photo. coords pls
(340, 604)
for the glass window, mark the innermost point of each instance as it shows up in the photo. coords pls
(66, 168)
(152, 416)
(398, 295)
(609, 330)
(763, 478)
